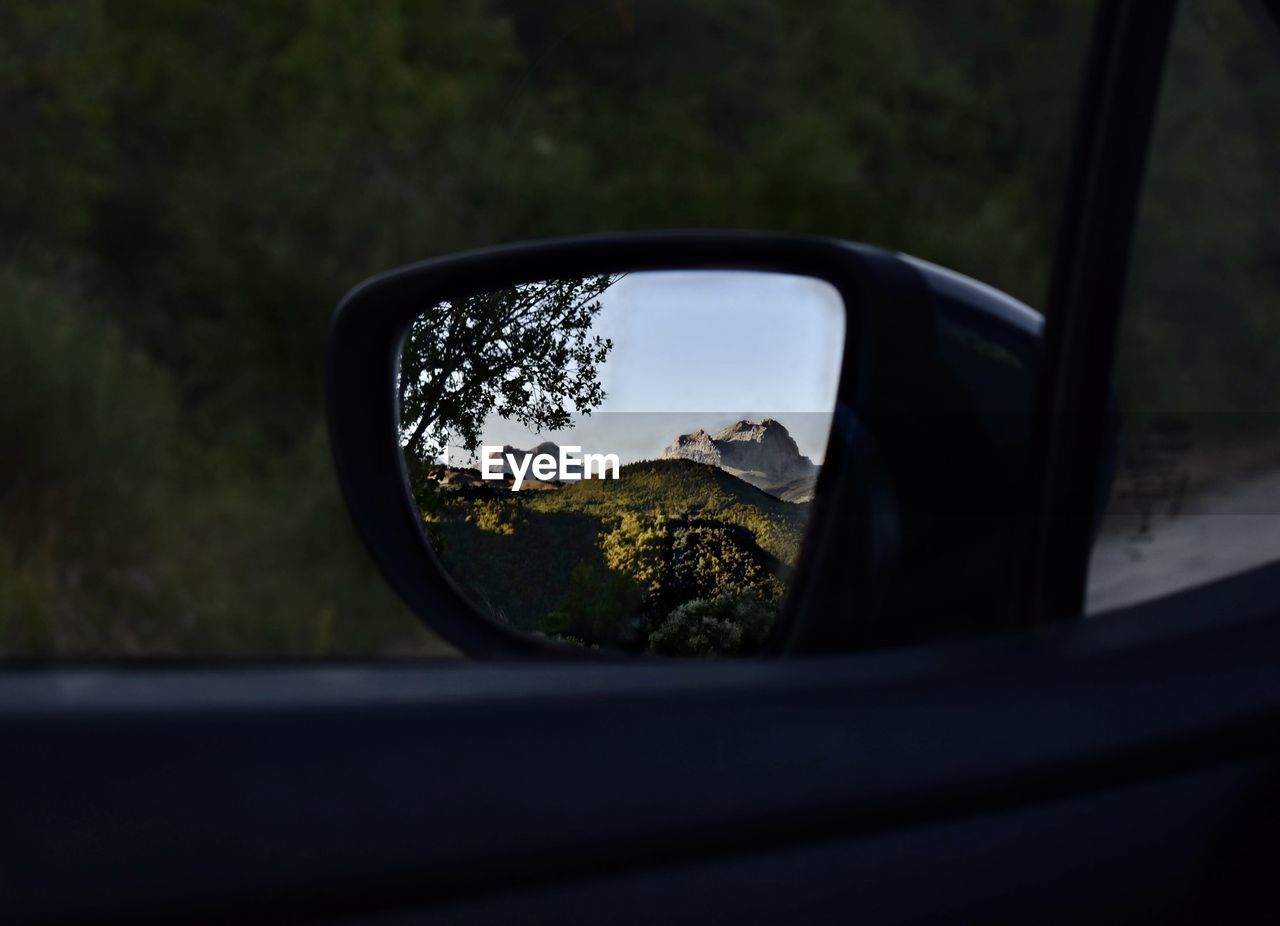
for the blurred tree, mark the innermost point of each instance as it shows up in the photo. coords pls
(55, 86)
(195, 185)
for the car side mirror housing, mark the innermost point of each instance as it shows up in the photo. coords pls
(683, 444)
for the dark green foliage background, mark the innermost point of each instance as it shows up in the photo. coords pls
(189, 187)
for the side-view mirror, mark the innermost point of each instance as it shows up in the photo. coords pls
(684, 444)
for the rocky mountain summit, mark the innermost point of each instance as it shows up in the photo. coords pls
(763, 454)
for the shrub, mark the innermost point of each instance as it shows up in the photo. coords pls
(727, 625)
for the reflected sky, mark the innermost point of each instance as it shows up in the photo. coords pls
(703, 349)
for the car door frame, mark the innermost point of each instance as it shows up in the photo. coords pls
(1086, 295)
(307, 791)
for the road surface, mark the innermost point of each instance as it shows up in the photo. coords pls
(1229, 529)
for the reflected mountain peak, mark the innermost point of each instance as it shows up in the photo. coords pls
(762, 453)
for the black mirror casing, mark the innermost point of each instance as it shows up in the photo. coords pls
(895, 402)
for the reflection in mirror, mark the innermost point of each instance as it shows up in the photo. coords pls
(624, 461)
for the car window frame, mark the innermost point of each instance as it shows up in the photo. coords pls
(1074, 406)
(1115, 119)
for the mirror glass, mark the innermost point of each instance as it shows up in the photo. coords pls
(625, 461)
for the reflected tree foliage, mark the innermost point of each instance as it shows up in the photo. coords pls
(525, 353)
